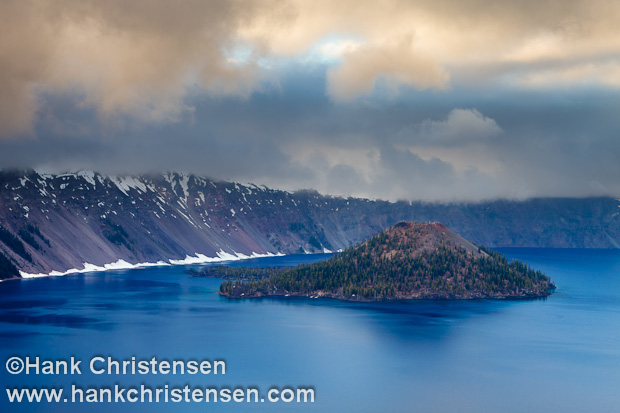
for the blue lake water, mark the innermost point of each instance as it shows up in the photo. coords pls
(560, 354)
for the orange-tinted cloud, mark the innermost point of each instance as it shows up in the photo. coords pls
(143, 57)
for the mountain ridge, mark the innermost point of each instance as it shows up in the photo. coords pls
(58, 222)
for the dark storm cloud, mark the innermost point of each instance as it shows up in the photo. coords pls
(461, 146)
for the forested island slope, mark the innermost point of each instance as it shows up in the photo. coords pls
(407, 261)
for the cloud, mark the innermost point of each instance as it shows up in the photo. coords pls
(428, 99)
(461, 127)
(343, 176)
(139, 58)
(297, 139)
(485, 41)
(146, 58)
(398, 63)
(400, 173)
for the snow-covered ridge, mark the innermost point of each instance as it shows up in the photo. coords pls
(142, 183)
(222, 256)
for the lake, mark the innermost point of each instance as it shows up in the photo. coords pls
(556, 354)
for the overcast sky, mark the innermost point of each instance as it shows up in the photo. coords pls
(420, 99)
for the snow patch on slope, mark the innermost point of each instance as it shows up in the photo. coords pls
(125, 183)
(124, 265)
(89, 176)
(221, 256)
(117, 265)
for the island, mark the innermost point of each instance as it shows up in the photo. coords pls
(406, 261)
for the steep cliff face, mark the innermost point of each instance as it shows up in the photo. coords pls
(57, 222)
